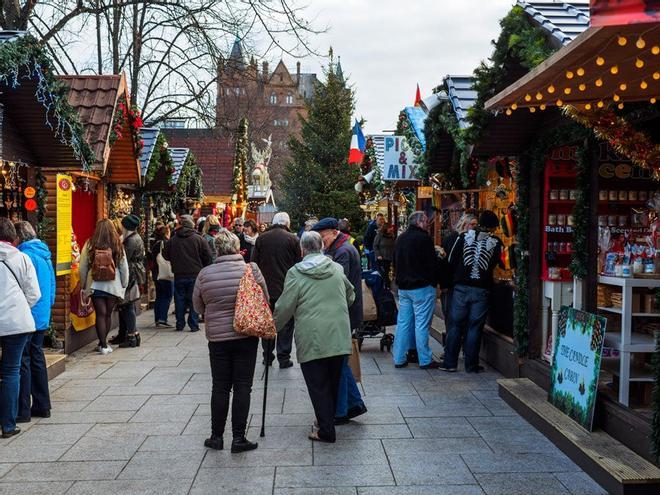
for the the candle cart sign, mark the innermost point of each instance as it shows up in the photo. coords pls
(576, 366)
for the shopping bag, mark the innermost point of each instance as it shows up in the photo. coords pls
(252, 314)
(369, 309)
(354, 362)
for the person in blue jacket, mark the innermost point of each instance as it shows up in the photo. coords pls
(34, 376)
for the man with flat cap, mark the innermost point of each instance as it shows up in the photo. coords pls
(337, 245)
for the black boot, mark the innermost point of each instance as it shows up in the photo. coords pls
(131, 341)
(242, 444)
(215, 443)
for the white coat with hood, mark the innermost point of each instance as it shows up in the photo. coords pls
(19, 293)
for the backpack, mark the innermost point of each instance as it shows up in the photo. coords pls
(103, 268)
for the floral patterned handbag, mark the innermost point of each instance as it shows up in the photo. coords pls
(252, 314)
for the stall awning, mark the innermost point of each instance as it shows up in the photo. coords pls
(603, 65)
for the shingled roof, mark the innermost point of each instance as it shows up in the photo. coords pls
(462, 96)
(563, 20)
(417, 117)
(149, 136)
(178, 156)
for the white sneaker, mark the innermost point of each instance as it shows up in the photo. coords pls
(105, 350)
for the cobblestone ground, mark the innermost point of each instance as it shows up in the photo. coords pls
(134, 421)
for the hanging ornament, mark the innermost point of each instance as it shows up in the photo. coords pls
(640, 43)
(600, 61)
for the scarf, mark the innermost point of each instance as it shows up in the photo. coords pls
(250, 239)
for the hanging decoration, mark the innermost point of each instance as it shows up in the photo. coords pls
(25, 58)
(579, 265)
(621, 135)
(405, 128)
(121, 204)
(44, 223)
(441, 121)
(127, 116)
(189, 185)
(239, 182)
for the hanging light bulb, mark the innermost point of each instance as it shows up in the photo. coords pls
(623, 86)
(616, 97)
(580, 71)
(582, 87)
(655, 50)
(643, 85)
(514, 106)
(532, 109)
(639, 63)
(587, 106)
(508, 111)
(567, 91)
(656, 75)
(551, 89)
(640, 43)
(621, 40)
(542, 106)
(599, 82)
(614, 69)
(620, 106)
(559, 103)
(600, 60)
(653, 100)
(569, 74)
(538, 96)
(600, 104)
(528, 97)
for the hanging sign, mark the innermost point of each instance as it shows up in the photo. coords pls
(576, 366)
(398, 159)
(64, 200)
(30, 205)
(619, 12)
(30, 192)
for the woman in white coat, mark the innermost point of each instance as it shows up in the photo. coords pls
(18, 279)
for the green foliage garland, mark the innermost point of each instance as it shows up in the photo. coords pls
(189, 185)
(404, 128)
(440, 121)
(239, 180)
(580, 258)
(25, 59)
(130, 115)
(160, 158)
(655, 400)
(44, 224)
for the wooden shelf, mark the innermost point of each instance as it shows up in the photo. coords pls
(649, 283)
(645, 374)
(618, 311)
(639, 342)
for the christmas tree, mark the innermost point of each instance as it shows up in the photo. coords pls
(239, 180)
(318, 181)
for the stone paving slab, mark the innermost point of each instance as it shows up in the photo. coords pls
(134, 422)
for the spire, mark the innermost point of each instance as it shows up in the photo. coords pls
(236, 56)
(338, 70)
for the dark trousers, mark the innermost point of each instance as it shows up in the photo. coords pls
(232, 370)
(164, 292)
(34, 377)
(468, 310)
(10, 370)
(127, 321)
(384, 269)
(183, 291)
(283, 343)
(322, 379)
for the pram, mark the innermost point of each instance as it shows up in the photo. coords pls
(379, 310)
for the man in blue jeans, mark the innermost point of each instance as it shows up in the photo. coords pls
(472, 260)
(416, 273)
(188, 252)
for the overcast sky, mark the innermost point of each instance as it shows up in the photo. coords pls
(388, 46)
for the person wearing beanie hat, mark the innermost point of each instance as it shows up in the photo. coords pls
(472, 258)
(137, 275)
(188, 252)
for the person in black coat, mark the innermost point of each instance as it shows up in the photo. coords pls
(164, 288)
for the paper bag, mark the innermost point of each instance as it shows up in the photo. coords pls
(369, 309)
(354, 362)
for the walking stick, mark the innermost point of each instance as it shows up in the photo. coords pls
(269, 349)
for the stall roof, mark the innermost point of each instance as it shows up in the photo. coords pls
(564, 21)
(462, 97)
(417, 116)
(10, 35)
(178, 156)
(584, 52)
(149, 136)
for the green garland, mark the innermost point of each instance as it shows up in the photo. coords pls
(655, 400)
(579, 265)
(44, 224)
(404, 128)
(25, 59)
(189, 185)
(239, 180)
(440, 121)
(160, 158)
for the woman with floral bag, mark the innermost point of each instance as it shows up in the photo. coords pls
(233, 355)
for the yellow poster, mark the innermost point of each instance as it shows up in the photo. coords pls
(63, 203)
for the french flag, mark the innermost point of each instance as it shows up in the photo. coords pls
(358, 145)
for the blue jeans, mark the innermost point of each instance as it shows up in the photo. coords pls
(164, 291)
(10, 366)
(415, 314)
(348, 395)
(468, 310)
(34, 377)
(183, 291)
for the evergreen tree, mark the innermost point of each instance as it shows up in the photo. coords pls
(239, 179)
(318, 181)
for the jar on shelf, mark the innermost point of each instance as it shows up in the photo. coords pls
(552, 219)
(623, 220)
(643, 195)
(554, 194)
(602, 195)
(561, 219)
(613, 195)
(602, 220)
(569, 247)
(632, 195)
(623, 195)
(572, 194)
(570, 220)
(563, 194)
(612, 220)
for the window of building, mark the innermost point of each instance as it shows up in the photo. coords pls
(174, 123)
(289, 98)
(273, 98)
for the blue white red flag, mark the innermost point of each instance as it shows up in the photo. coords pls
(358, 145)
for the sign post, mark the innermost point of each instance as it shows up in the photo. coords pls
(64, 201)
(398, 160)
(576, 364)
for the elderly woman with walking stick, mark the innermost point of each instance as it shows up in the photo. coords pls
(317, 295)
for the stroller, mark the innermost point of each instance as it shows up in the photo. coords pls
(379, 310)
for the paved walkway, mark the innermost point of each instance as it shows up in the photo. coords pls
(133, 422)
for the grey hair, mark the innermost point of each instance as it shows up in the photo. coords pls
(226, 242)
(415, 218)
(311, 242)
(282, 218)
(24, 231)
(464, 222)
